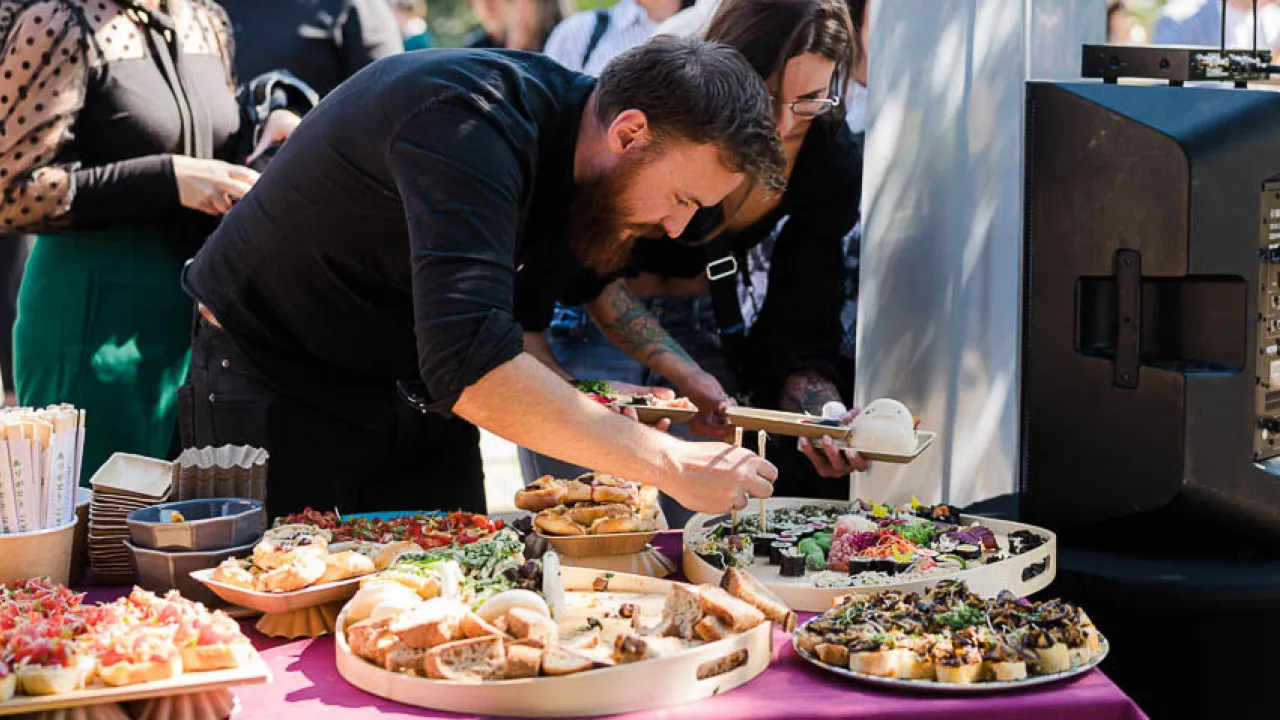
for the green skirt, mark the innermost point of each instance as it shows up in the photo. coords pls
(103, 324)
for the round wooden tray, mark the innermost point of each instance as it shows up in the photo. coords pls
(624, 688)
(800, 593)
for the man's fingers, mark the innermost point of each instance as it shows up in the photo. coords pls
(758, 487)
(664, 424)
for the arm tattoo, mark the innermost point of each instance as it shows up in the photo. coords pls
(630, 325)
(807, 391)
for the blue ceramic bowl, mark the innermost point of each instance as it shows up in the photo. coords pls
(191, 525)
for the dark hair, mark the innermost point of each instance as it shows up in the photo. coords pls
(771, 32)
(700, 92)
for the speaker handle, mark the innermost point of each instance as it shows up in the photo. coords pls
(1129, 319)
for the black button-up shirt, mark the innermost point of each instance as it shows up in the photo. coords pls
(385, 239)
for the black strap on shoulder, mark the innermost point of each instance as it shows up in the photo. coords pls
(597, 32)
(722, 274)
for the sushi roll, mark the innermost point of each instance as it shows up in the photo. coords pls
(898, 567)
(792, 564)
(761, 543)
(968, 551)
(859, 565)
(741, 551)
(776, 549)
(818, 526)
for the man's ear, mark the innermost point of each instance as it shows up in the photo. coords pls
(629, 131)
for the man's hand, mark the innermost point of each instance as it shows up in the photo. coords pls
(713, 477)
(279, 126)
(704, 391)
(830, 461)
(808, 392)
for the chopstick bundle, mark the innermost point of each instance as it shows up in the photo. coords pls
(40, 452)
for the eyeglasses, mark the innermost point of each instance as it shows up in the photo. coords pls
(812, 107)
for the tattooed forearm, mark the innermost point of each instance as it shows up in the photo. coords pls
(629, 324)
(807, 392)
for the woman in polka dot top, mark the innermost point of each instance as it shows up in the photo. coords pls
(117, 122)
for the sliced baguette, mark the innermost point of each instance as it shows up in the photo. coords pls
(711, 628)
(681, 612)
(473, 627)
(466, 660)
(739, 615)
(435, 622)
(958, 674)
(523, 661)
(1053, 659)
(833, 654)
(809, 641)
(1006, 671)
(558, 660)
(907, 665)
(8, 686)
(206, 658)
(533, 626)
(40, 680)
(744, 586)
(402, 657)
(881, 663)
(122, 674)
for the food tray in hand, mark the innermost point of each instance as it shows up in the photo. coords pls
(1023, 574)
(680, 678)
(267, 602)
(253, 671)
(777, 422)
(650, 415)
(934, 686)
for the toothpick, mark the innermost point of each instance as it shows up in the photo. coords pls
(761, 439)
(737, 442)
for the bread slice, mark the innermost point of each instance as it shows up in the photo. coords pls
(40, 680)
(432, 623)
(744, 586)
(809, 641)
(711, 628)
(205, 658)
(959, 674)
(558, 660)
(466, 660)
(881, 663)
(833, 654)
(8, 686)
(125, 673)
(533, 626)
(371, 640)
(1007, 670)
(523, 661)
(907, 665)
(1053, 659)
(737, 614)
(473, 627)
(682, 611)
(402, 657)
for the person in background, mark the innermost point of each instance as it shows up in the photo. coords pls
(493, 26)
(691, 340)
(588, 40)
(1199, 22)
(1122, 27)
(411, 16)
(322, 42)
(124, 143)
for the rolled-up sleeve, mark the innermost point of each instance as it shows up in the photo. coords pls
(461, 185)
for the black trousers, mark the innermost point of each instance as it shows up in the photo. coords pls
(393, 457)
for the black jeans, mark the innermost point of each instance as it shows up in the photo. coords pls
(393, 458)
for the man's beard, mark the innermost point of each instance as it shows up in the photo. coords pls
(597, 231)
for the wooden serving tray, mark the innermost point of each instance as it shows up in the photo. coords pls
(624, 688)
(253, 672)
(801, 595)
(650, 415)
(778, 422)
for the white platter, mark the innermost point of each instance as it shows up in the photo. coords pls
(623, 688)
(800, 594)
(933, 686)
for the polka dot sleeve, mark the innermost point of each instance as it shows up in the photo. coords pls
(42, 81)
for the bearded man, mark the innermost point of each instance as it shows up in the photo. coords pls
(372, 290)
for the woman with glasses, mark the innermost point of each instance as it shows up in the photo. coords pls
(683, 295)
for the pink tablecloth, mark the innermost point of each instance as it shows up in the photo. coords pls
(307, 684)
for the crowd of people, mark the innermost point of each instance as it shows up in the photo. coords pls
(306, 227)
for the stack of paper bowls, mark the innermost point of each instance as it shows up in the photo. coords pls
(170, 541)
(123, 484)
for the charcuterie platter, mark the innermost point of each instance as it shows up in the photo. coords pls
(810, 552)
